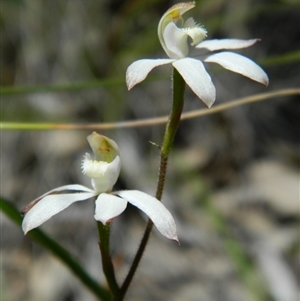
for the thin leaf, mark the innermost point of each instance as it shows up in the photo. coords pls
(58, 251)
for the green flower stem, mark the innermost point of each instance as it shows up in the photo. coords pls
(171, 129)
(58, 251)
(107, 265)
(136, 261)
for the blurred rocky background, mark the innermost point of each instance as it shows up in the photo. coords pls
(233, 178)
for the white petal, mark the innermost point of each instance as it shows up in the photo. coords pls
(239, 64)
(175, 41)
(157, 212)
(72, 187)
(108, 207)
(139, 70)
(195, 75)
(213, 45)
(75, 187)
(49, 206)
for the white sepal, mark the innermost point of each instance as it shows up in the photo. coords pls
(239, 64)
(108, 207)
(157, 212)
(75, 187)
(139, 70)
(51, 205)
(214, 45)
(197, 78)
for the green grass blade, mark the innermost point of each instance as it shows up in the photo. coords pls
(58, 251)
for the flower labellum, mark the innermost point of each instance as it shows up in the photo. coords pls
(173, 32)
(174, 35)
(104, 171)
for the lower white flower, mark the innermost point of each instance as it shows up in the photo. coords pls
(104, 172)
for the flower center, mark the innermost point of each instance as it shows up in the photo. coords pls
(93, 168)
(196, 32)
(175, 38)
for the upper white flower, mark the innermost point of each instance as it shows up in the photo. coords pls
(104, 171)
(174, 35)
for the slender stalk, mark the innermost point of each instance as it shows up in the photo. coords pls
(107, 265)
(136, 261)
(171, 129)
(147, 121)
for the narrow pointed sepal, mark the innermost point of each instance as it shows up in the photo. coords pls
(239, 64)
(108, 207)
(71, 187)
(49, 206)
(139, 70)
(157, 212)
(197, 78)
(216, 44)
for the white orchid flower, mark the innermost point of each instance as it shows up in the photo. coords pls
(104, 171)
(174, 34)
